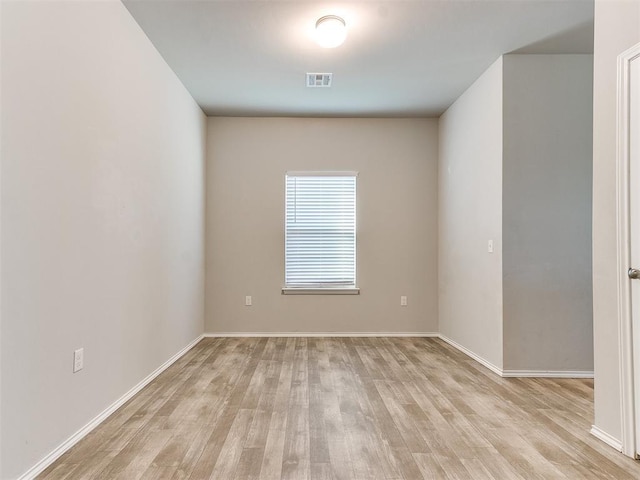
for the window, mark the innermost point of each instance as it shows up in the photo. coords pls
(320, 233)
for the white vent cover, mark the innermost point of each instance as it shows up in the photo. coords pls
(319, 79)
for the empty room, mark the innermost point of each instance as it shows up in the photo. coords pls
(319, 240)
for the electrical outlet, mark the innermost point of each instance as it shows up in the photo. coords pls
(248, 301)
(403, 301)
(78, 360)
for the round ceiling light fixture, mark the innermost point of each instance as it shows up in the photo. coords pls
(331, 31)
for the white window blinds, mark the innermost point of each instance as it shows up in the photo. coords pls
(320, 230)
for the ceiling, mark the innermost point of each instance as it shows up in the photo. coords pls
(401, 58)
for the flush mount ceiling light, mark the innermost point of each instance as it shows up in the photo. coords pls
(331, 31)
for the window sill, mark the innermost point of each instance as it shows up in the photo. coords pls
(321, 291)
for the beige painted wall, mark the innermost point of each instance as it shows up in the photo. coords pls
(617, 28)
(470, 214)
(102, 218)
(396, 223)
(546, 208)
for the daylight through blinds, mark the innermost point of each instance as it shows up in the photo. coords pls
(320, 230)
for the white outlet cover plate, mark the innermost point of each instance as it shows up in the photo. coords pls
(78, 360)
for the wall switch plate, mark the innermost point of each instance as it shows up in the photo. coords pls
(78, 360)
(248, 301)
(490, 246)
(403, 301)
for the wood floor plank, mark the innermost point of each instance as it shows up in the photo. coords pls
(249, 464)
(296, 461)
(173, 452)
(136, 456)
(352, 410)
(345, 409)
(248, 356)
(144, 455)
(340, 460)
(271, 467)
(318, 440)
(321, 471)
(156, 472)
(90, 468)
(194, 451)
(233, 446)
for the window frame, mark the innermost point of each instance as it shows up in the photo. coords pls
(319, 289)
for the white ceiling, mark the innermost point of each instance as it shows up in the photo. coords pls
(401, 58)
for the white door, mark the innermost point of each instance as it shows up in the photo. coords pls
(634, 230)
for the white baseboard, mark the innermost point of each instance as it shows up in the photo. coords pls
(518, 373)
(469, 353)
(320, 334)
(606, 438)
(80, 434)
(547, 373)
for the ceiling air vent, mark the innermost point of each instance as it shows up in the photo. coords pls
(319, 79)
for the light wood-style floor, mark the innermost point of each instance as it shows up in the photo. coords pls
(345, 408)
